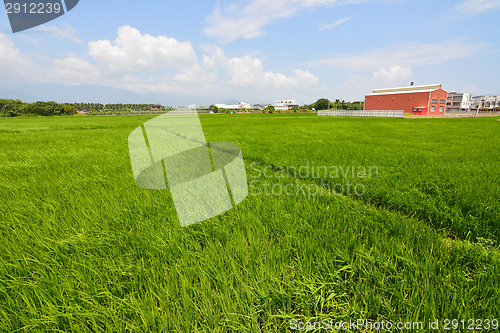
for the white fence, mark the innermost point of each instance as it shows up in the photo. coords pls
(362, 113)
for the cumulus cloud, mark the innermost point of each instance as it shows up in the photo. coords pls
(132, 52)
(249, 18)
(144, 63)
(249, 72)
(74, 71)
(13, 64)
(405, 54)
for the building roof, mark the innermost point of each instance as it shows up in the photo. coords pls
(487, 96)
(405, 90)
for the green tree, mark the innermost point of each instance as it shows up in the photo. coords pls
(69, 109)
(270, 109)
(45, 109)
(295, 109)
(322, 104)
(11, 108)
(214, 108)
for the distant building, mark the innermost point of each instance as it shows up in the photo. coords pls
(416, 100)
(156, 107)
(458, 102)
(285, 104)
(259, 107)
(486, 102)
(240, 106)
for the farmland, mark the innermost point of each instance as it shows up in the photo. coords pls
(82, 248)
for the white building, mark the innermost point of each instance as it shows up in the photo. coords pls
(458, 102)
(240, 106)
(486, 102)
(285, 104)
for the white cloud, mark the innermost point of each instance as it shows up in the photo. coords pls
(73, 71)
(132, 53)
(138, 62)
(165, 59)
(249, 72)
(470, 8)
(358, 85)
(248, 19)
(306, 78)
(14, 66)
(64, 32)
(406, 54)
(393, 76)
(335, 24)
(145, 64)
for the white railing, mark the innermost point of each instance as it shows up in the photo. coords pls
(362, 113)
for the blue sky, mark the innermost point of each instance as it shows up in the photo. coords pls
(257, 51)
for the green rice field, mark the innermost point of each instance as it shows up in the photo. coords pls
(415, 239)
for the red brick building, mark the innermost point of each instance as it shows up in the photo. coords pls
(416, 100)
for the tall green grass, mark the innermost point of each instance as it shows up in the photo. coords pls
(442, 171)
(82, 248)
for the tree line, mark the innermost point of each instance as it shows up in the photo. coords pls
(15, 107)
(98, 107)
(325, 104)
